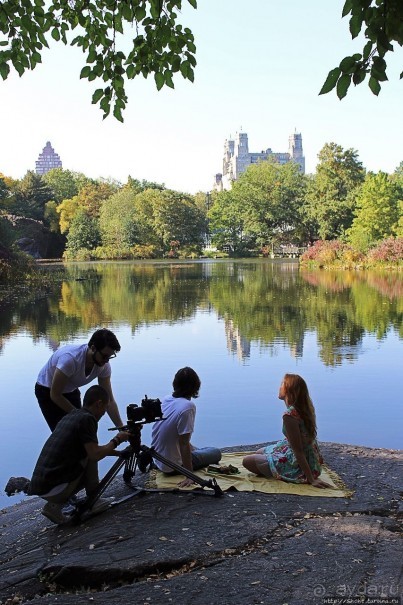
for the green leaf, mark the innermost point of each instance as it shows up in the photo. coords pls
(168, 79)
(343, 85)
(98, 94)
(159, 80)
(118, 113)
(331, 81)
(355, 25)
(347, 8)
(18, 67)
(131, 71)
(347, 65)
(184, 68)
(5, 70)
(191, 75)
(359, 76)
(367, 50)
(55, 34)
(85, 72)
(374, 86)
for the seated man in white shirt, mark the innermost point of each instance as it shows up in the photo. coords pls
(171, 436)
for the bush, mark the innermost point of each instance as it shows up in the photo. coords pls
(388, 251)
(324, 252)
(332, 253)
(16, 266)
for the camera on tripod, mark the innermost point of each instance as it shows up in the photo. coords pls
(149, 411)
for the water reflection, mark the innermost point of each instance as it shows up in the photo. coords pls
(261, 302)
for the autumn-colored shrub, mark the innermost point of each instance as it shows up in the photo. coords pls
(324, 252)
(388, 251)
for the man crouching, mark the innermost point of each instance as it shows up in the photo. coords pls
(68, 460)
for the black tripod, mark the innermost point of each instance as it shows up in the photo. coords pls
(133, 456)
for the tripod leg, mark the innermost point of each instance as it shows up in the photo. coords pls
(103, 484)
(130, 468)
(212, 483)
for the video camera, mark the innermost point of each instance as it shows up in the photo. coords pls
(149, 411)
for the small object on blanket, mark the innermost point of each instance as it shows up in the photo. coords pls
(223, 470)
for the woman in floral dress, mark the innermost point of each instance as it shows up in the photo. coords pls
(296, 458)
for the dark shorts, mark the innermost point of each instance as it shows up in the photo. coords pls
(50, 410)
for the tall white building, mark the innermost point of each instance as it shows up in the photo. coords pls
(237, 158)
(47, 160)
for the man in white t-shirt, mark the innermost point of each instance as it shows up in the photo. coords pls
(71, 367)
(171, 436)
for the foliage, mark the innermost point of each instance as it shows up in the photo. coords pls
(65, 184)
(83, 234)
(331, 253)
(138, 186)
(15, 266)
(118, 220)
(51, 217)
(7, 230)
(269, 195)
(160, 44)
(227, 223)
(176, 217)
(31, 194)
(382, 21)
(388, 251)
(329, 200)
(376, 212)
(262, 207)
(89, 198)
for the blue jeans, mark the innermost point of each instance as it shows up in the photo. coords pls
(205, 456)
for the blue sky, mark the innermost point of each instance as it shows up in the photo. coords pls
(260, 67)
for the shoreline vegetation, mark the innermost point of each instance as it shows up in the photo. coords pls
(23, 276)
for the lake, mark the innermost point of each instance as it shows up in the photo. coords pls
(240, 324)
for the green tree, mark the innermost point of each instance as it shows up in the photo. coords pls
(382, 22)
(177, 218)
(139, 186)
(160, 45)
(227, 223)
(145, 203)
(83, 233)
(376, 213)
(329, 199)
(65, 184)
(89, 198)
(31, 195)
(269, 196)
(118, 220)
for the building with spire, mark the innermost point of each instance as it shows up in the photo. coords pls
(47, 160)
(237, 158)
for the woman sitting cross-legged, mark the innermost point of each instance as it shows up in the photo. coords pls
(296, 458)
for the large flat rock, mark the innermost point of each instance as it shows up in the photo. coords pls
(242, 548)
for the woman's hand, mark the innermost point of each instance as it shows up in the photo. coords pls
(321, 484)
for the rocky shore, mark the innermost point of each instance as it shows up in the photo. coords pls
(163, 548)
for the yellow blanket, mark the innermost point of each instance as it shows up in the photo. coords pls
(248, 482)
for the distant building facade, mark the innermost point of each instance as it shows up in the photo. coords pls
(237, 158)
(47, 160)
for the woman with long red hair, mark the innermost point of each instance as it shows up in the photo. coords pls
(296, 458)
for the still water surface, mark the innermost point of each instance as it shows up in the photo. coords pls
(240, 324)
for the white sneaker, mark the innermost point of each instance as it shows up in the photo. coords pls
(54, 512)
(100, 505)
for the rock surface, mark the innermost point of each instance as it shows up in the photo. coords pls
(241, 549)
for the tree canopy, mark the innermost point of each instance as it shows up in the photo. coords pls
(382, 23)
(160, 45)
(125, 39)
